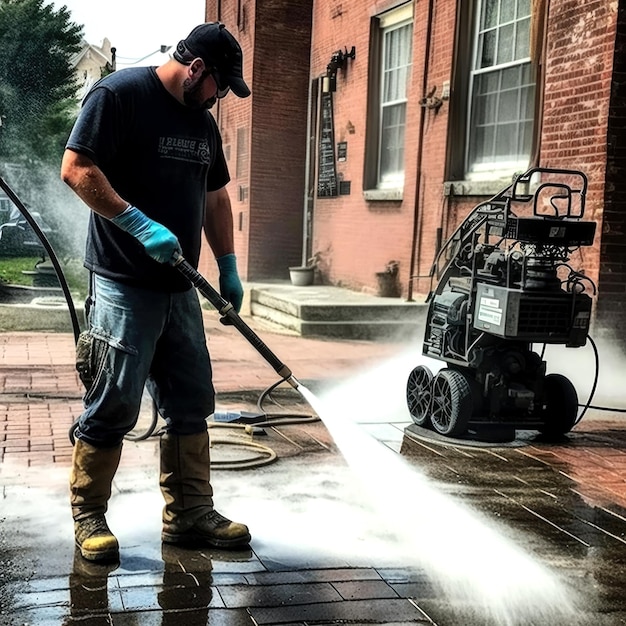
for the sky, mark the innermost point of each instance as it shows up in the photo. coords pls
(136, 28)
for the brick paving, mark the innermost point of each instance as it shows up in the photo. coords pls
(594, 458)
(41, 391)
(41, 397)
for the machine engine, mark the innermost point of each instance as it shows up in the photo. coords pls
(504, 283)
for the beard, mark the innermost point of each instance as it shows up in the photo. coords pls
(192, 90)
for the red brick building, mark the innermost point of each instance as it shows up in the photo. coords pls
(374, 126)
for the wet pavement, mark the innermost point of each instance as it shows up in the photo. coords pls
(383, 523)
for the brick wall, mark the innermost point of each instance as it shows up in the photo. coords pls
(278, 152)
(578, 113)
(231, 114)
(357, 237)
(354, 237)
(268, 200)
(579, 65)
(611, 311)
(341, 232)
(437, 215)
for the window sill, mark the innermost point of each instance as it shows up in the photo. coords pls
(475, 187)
(383, 195)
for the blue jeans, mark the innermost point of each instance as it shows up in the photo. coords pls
(143, 338)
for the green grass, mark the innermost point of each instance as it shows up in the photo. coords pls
(11, 269)
(12, 272)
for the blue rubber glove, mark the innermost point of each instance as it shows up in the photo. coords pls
(231, 288)
(160, 243)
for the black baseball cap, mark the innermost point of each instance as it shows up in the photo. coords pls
(218, 49)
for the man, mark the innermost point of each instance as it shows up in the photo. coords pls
(146, 156)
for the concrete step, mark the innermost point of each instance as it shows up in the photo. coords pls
(41, 314)
(334, 312)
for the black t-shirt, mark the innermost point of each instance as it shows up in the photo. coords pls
(160, 156)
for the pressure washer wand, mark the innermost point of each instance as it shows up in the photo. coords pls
(227, 311)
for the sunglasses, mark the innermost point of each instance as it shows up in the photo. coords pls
(222, 87)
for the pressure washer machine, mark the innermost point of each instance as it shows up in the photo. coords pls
(504, 283)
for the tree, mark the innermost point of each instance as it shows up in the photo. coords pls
(37, 82)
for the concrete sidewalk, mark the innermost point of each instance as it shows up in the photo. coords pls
(357, 518)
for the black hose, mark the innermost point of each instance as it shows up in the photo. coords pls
(594, 386)
(148, 432)
(595, 380)
(588, 404)
(605, 408)
(49, 249)
(270, 419)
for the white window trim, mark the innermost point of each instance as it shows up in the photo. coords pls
(394, 16)
(393, 19)
(496, 169)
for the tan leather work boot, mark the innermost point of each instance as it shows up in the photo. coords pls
(93, 470)
(188, 515)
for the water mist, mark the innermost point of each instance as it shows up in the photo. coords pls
(463, 553)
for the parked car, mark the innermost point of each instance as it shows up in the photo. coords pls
(17, 237)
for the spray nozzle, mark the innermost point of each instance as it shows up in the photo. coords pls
(293, 381)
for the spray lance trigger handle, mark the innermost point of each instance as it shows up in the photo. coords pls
(224, 308)
(177, 258)
(226, 319)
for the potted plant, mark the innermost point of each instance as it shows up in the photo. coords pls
(303, 275)
(388, 283)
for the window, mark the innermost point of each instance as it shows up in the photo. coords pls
(501, 91)
(242, 163)
(396, 61)
(392, 36)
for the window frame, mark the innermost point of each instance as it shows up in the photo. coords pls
(458, 164)
(392, 20)
(474, 170)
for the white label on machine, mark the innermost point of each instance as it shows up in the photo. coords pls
(557, 231)
(489, 311)
(581, 320)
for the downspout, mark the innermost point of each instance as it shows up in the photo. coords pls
(417, 215)
(307, 222)
(540, 53)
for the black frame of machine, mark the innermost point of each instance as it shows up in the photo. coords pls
(503, 283)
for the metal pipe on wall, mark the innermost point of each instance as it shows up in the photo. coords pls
(417, 214)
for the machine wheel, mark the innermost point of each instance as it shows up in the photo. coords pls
(419, 394)
(452, 405)
(560, 405)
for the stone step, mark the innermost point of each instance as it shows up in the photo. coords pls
(333, 312)
(41, 314)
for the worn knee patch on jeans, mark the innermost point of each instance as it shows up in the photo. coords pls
(90, 354)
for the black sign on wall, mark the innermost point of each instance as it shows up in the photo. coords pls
(344, 187)
(327, 171)
(342, 151)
